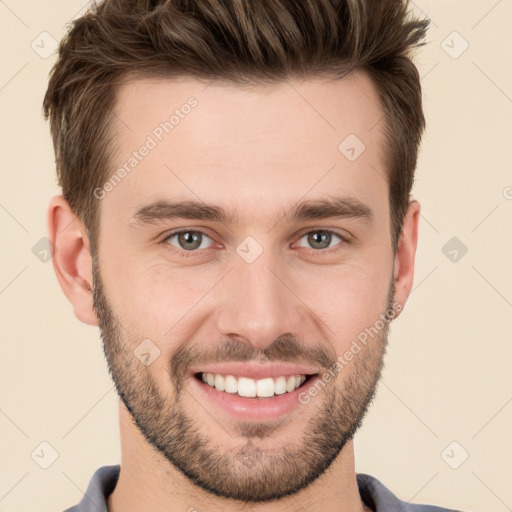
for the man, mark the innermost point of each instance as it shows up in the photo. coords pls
(236, 218)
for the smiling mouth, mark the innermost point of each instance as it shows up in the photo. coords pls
(254, 388)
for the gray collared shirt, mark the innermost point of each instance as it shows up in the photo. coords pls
(376, 496)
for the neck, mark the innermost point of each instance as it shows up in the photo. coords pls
(148, 481)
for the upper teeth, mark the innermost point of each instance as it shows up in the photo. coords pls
(250, 387)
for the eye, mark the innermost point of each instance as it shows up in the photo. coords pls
(187, 240)
(192, 241)
(320, 240)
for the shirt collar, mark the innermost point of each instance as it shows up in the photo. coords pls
(375, 494)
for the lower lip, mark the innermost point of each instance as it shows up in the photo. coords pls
(262, 409)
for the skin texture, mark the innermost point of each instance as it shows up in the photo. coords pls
(258, 152)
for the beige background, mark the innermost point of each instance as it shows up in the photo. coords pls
(448, 375)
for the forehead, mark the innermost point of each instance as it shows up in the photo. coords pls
(246, 146)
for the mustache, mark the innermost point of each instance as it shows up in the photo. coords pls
(285, 349)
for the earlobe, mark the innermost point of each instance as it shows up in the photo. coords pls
(406, 253)
(71, 259)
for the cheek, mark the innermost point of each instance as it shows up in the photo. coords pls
(160, 303)
(347, 300)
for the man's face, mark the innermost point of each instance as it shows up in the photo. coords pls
(187, 295)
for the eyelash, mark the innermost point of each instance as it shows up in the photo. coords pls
(187, 254)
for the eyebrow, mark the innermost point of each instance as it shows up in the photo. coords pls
(342, 207)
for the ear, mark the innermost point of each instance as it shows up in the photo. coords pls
(405, 254)
(71, 258)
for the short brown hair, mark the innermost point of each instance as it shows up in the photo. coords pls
(239, 41)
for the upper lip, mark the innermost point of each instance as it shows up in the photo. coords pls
(256, 370)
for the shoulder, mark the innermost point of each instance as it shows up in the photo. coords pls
(380, 499)
(100, 486)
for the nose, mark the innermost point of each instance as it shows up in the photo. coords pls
(258, 303)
